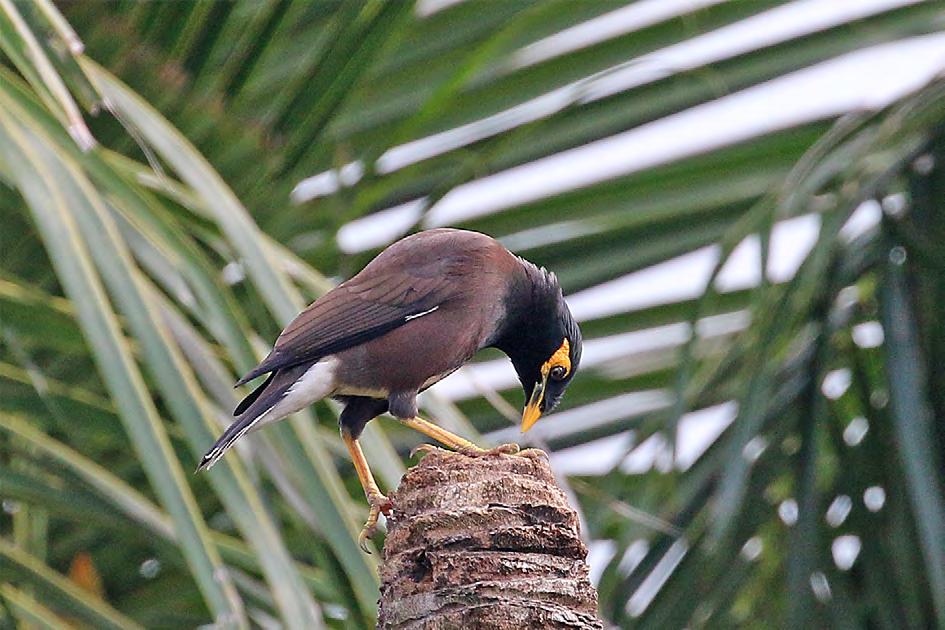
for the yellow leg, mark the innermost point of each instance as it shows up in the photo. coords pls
(378, 502)
(452, 440)
(440, 434)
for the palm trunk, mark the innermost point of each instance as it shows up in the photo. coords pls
(484, 542)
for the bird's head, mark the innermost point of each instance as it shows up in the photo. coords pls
(544, 384)
(545, 348)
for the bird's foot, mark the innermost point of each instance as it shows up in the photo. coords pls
(474, 451)
(533, 453)
(426, 449)
(380, 504)
(502, 449)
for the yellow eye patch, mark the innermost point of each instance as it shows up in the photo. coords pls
(561, 357)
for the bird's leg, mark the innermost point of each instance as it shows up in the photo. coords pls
(377, 501)
(453, 441)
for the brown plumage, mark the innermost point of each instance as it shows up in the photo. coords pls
(417, 312)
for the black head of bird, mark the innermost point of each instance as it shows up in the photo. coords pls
(417, 312)
(543, 341)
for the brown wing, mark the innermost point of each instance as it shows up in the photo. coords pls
(369, 305)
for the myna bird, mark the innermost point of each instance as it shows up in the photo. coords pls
(416, 313)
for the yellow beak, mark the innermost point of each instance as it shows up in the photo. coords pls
(533, 408)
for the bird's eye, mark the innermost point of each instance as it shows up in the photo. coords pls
(558, 372)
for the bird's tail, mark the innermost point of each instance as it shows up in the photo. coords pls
(252, 411)
(234, 432)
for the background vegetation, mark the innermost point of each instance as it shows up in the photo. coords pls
(149, 251)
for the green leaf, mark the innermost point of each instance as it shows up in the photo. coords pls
(24, 40)
(116, 495)
(37, 172)
(912, 420)
(178, 387)
(21, 567)
(305, 450)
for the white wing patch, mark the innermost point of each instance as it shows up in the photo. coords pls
(416, 315)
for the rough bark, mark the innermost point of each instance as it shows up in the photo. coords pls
(484, 542)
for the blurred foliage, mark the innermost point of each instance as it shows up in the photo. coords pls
(150, 251)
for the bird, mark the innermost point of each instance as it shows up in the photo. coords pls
(417, 312)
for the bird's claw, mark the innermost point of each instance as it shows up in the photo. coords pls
(380, 504)
(505, 449)
(426, 449)
(475, 451)
(533, 453)
(502, 449)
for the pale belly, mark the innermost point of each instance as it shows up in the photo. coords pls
(378, 392)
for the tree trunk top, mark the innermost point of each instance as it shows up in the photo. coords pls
(484, 542)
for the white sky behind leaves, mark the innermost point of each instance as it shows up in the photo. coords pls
(865, 79)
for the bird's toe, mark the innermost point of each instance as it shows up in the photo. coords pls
(534, 453)
(426, 449)
(380, 504)
(505, 449)
(502, 449)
